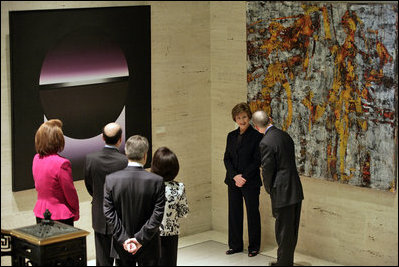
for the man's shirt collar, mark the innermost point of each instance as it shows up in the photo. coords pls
(268, 128)
(135, 164)
(110, 146)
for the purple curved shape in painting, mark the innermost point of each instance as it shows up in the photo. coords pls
(77, 149)
(87, 59)
(84, 82)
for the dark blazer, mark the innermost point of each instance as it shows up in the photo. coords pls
(243, 158)
(97, 166)
(134, 201)
(279, 172)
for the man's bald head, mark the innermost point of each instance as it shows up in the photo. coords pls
(260, 118)
(112, 132)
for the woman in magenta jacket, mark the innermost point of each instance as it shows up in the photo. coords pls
(53, 176)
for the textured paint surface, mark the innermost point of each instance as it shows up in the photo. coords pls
(327, 74)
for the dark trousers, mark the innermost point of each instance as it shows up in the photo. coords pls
(147, 255)
(133, 261)
(169, 246)
(236, 214)
(286, 227)
(103, 248)
(67, 221)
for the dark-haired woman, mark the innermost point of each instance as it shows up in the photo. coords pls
(242, 162)
(166, 164)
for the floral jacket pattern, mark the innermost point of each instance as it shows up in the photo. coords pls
(176, 207)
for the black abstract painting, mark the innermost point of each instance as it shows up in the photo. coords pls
(86, 67)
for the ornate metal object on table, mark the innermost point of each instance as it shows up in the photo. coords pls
(49, 243)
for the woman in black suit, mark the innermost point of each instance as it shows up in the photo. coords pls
(242, 162)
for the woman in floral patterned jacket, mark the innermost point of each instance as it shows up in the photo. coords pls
(165, 164)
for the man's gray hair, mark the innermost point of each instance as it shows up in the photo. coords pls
(136, 147)
(260, 118)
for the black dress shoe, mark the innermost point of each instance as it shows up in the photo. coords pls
(253, 253)
(232, 251)
(273, 263)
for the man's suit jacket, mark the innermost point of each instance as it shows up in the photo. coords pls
(98, 165)
(280, 175)
(243, 158)
(134, 202)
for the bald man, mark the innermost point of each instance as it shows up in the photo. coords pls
(98, 165)
(282, 183)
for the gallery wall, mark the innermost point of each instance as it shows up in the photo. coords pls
(340, 223)
(180, 48)
(199, 72)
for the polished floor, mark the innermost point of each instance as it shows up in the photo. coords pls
(213, 253)
(208, 249)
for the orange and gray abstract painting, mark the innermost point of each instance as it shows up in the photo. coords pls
(327, 74)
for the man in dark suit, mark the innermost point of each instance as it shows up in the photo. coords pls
(282, 183)
(98, 165)
(134, 202)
